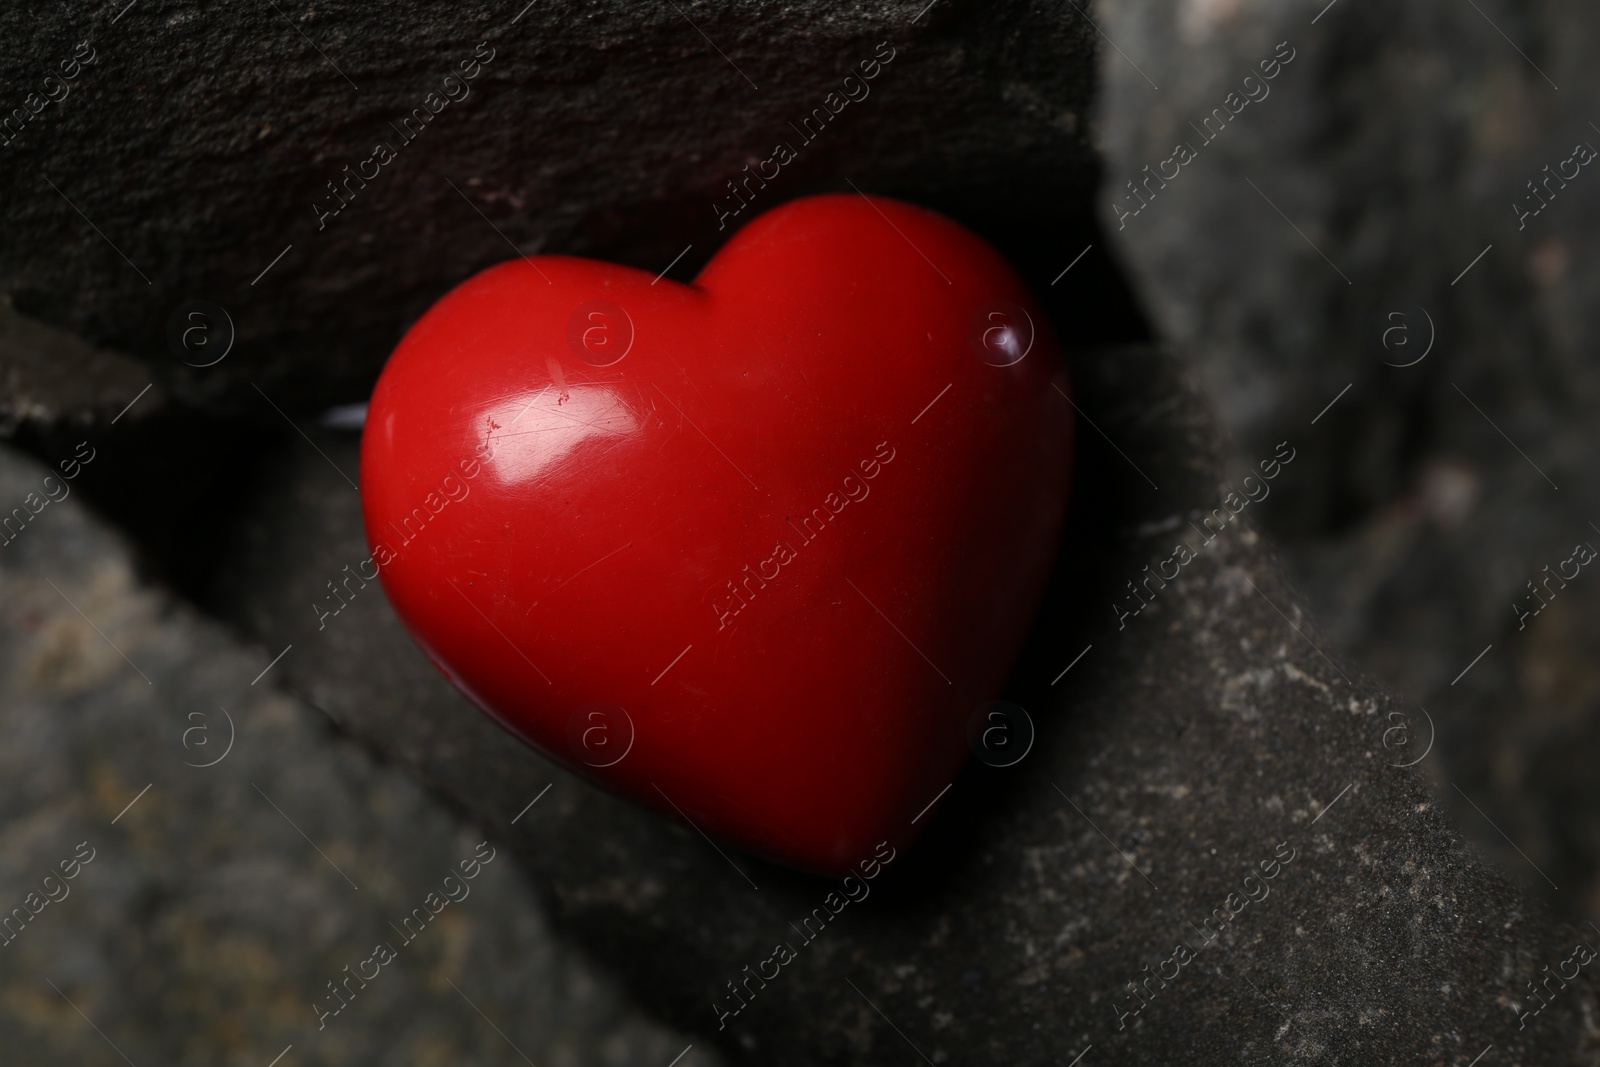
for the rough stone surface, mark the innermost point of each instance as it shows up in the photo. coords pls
(219, 900)
(1190, 743)
(51, 376)
(200, 138)
(1396, 142)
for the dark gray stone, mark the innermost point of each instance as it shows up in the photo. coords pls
(1397, 141)
(200, 138)
(1179, 753)
(52, 377)
(206, 923)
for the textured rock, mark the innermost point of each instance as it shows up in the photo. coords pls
(1200, 739)
(199, 139)
(1397, 142)
(51, 376)
(217, 901)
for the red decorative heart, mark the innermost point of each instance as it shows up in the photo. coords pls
(752, 551)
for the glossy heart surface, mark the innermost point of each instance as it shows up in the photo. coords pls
(752, 551)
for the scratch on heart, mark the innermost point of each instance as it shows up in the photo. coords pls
(809, 529)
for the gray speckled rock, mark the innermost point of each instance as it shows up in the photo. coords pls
(210, 905)
(1196, 743)
(202, 141)
(50, 375)
(1397, 141)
